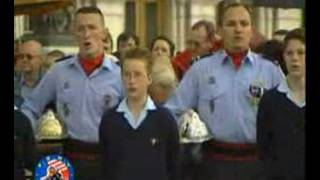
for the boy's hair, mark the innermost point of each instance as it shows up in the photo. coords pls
(227, 5)
(142, 54)
(298, 33)
(90, 10)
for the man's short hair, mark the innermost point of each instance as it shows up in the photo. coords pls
(208, 25)
(142, 54)
(90, 10)
(227, 5)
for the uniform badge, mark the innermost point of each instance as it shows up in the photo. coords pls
(256, 91)
(54, 167)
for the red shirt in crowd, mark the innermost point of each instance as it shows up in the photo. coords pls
(182, 62)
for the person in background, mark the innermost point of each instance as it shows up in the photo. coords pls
(201, 42)
(281, 116)
(108, 47)
(31, 57)
(51, 58)
(108, 43)
(164, 80)
(125, 42)
(272, 50)
(82, 87)
(140, 140)
(279, 35)
(257, 39)
(225, 89)
(162, 46)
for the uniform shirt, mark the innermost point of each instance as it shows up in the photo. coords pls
(221, 96)
(135, 123)
(25, 90)
(80, 99)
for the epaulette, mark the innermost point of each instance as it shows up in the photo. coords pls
(64, 58)
(197, 58)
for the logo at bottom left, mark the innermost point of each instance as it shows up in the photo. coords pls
(54, 167)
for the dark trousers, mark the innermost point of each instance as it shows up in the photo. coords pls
(87, 169)
(229, 161)
(191, 157)
(229, 170)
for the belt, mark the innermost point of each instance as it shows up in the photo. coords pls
(224, 151)
(76, 149)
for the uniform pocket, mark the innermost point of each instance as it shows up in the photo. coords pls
(105, 97)
(210, 97)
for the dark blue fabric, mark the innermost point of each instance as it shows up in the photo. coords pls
(149, 152)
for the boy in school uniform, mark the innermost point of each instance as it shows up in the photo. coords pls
(139, 139)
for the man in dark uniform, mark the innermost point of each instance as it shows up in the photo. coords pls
(24, 145)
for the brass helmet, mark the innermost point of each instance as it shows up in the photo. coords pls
(50, 128)
(192, 129)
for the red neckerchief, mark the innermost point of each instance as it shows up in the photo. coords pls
(89, 65)
(237, 57)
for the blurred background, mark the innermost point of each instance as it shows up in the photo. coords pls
(49, 20)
